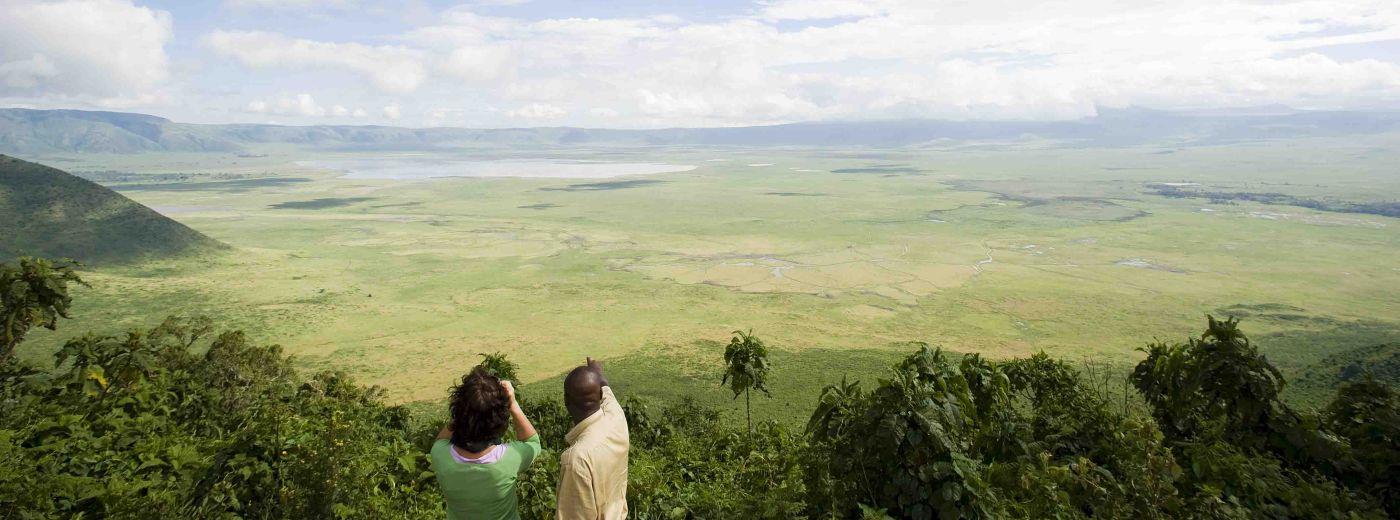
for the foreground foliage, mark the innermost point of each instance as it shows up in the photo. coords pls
(34, 293)
(746, 369)
(139, 426)
(179, 421)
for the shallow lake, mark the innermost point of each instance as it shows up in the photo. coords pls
(428, 168)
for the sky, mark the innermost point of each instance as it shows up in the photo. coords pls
(650, 64)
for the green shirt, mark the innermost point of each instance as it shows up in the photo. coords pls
(479, 491)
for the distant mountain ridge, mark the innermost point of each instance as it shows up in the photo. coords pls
(26, 131)
(40, 131)
(48, 212)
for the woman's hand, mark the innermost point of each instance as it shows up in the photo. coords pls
(523, 429)
(510, 390)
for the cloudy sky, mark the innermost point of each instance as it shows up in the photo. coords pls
(636, 63)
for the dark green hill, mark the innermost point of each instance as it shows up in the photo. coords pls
(48, 212)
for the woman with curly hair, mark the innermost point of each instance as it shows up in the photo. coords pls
(476, 471)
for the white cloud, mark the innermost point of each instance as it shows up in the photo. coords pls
(301, 5)
(604, 113)
(770, 61)
(882, 59)
(817, 9)
(537, 111)
(301, 105)
(30, 73)
(393, 69)
(82, 49)
(479, 62)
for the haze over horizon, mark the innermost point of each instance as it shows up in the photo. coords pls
(522, 63)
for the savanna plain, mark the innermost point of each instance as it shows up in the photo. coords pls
(401, 267)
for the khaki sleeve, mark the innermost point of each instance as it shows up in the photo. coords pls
(610, 401)
(577, 500)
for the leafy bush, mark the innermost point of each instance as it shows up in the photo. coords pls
(1366, 414)
(138, 426)
(1246, 451)
(497, 364)
(34, 293)
(981, 439)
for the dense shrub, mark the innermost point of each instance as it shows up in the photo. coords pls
(32, 294)
(980, 439)
(1246, 451)
(139, 426)
(1367, 415)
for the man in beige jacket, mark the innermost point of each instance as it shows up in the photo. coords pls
(593, 470)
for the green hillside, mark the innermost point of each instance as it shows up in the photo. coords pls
(25, 131)
(48, 212)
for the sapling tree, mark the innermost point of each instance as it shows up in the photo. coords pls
(746, 368)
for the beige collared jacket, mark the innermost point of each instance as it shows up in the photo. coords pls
(593, 470)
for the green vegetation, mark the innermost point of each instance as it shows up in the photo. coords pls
(323, 203)
(999, 253)
(604, 186)
(1002, 252)
(226, 186)
(140, 426)
(497, 364)
(1217, 400)
(746, 369)
(127, 180)
(51, 213)
(176, 421)
(670, 374)
(1387, 208)
(34, 293)
(838, 256)
(1379, 361)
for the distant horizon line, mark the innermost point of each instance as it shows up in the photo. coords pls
(1242, 111)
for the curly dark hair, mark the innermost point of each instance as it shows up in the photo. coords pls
(480, 411)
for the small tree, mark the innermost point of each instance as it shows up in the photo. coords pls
(497, 364)
(746, 368)
(34, 293)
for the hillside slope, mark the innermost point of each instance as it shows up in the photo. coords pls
(45, 131)
(48, 212)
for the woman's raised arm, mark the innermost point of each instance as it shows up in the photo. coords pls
(523, 429)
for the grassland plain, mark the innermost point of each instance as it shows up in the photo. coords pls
(837, 258)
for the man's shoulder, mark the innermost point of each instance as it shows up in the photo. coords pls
(617, 414)
(586, 448)
(581, 448)
(575, 460)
